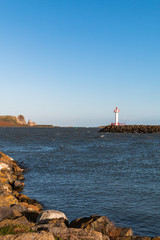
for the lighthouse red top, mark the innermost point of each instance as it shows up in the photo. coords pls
(116, 110)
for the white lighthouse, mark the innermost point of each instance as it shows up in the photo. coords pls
(116, 116)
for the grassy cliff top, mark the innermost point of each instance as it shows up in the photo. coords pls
(8, 118)
(13, 121)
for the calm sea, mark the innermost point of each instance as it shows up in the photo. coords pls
(82, 172)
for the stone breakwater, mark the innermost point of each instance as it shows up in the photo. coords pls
(22, 218)
(132, 129)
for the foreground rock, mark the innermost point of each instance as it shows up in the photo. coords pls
(97, 223)
(29, 236)
(136, 238)
(77, 234)
(132, 129)
(16, 209)
(50, 214)
(101, 224)
(58, 223)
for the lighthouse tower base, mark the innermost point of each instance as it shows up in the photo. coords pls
(115, 124)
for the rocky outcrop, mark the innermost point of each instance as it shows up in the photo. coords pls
(16, 209)
(132, 129)
(21, 120)
(22, 218)
(31, 124)
(13, 121)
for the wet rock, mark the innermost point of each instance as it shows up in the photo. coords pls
(77, 234)
(24, 198)
(21, 178)
(97, 223)
(29, 236)
(18, 185)
(50, 214)
(29, 204)
(125, 232)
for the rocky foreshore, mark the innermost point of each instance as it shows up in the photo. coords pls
(22, 218)
(131, 129)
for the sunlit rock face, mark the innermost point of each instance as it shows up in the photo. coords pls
(21, 120)
(31, 124)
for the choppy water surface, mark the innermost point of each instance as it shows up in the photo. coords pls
(82, 172)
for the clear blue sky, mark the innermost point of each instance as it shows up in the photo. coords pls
(71, 62)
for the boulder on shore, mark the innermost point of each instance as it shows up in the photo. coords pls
(77, 234)
(29, 236)
(5, 212)
(47, 215)
(101, 224)
(97, 223)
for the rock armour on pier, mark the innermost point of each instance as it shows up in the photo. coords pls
(132, 129)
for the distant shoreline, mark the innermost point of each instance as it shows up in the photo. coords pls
(13, 121)
(10, 124)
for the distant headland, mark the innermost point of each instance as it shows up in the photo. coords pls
(13, 121)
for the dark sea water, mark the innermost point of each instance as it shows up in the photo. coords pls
(82, 172)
